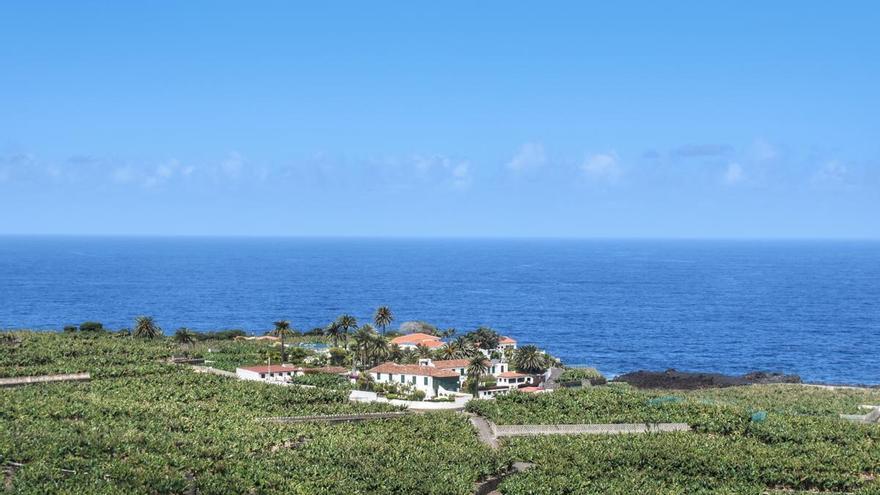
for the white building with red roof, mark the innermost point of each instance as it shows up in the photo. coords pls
(413, 340)
(268, 372)
(430, 379)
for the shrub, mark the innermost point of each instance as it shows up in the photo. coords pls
(578, 374)
(70, 329)
(91, 326)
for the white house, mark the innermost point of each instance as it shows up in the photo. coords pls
(431, 380)
(268, 373)
(494, 367)
(282, 373)
(513, 379)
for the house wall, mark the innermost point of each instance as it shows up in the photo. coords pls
(247, 375)
(415, 381)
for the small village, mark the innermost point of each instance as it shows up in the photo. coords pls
(409, 368)
(415, 365)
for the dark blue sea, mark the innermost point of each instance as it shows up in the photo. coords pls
(805, 307)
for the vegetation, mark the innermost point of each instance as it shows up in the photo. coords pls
(579, 374)
(799, 445)
(145, 327)
(145, 426)
(383, 317)
(530, 359)
(142, 425)
(323, 380)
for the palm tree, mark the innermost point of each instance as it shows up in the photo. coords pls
(334, 331)
(184, 337)
(145, 327)
(363, 342)
(485, 338)
(530, 359)
(459, 348)
(423, 351)
(379, 348)
(395, 353)
(282, 329)
(383, 317)
(449, 332)
(476, 368)
(346, 323)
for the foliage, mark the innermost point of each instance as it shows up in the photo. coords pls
(530, 359)
(184, 336)
(323, 380)
(383, 317)
(145, 327)
(578, 374)
(801, 446)
(143, 426)
(91, 326)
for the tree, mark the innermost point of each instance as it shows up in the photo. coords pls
(363, 343)
(449, 332)
(530, 359)
(485, 338)
(476, 368)
(91, 326)
(145, 327)
(459, 348)
(346, 323)
(282, 329)
(423, 351)
(334, 331)
(184, 337)
(383, 317)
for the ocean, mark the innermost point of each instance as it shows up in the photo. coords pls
(805, 307)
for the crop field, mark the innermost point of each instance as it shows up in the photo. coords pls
(795, 442)
(141, 426)
(144, 426)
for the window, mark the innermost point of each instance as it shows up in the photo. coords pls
(414, 380)
(462, 372)
(493, 370)
(262, 375)
(402, 379)
(426, 380)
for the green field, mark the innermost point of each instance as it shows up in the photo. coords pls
(144, 426)
(747, 440)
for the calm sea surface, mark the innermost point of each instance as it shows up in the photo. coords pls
(811, 308)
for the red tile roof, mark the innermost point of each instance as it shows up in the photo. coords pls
(413, 369)
(506, 340)
(530, 389)
(275, 368)
(512, 374)
(413, 338)
(455, 363)
(432, 344)
(333, 370)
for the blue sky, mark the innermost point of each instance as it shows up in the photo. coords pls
(689, 119)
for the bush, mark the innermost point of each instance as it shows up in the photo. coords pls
(578, 374)
(91, 326)
(70, 329)
(323, 380)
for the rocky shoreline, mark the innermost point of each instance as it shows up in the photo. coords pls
(673, 379)
(683, 380)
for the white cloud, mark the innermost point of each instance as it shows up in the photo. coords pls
(831, 173)
(529, 156)
(763, 151)
(734, 174)
(124, 174)
(602, 166)
(455, 173)
(232, 165)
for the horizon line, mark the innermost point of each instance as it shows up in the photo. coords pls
(435, 237)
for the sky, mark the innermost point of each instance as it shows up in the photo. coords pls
(748, 119)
